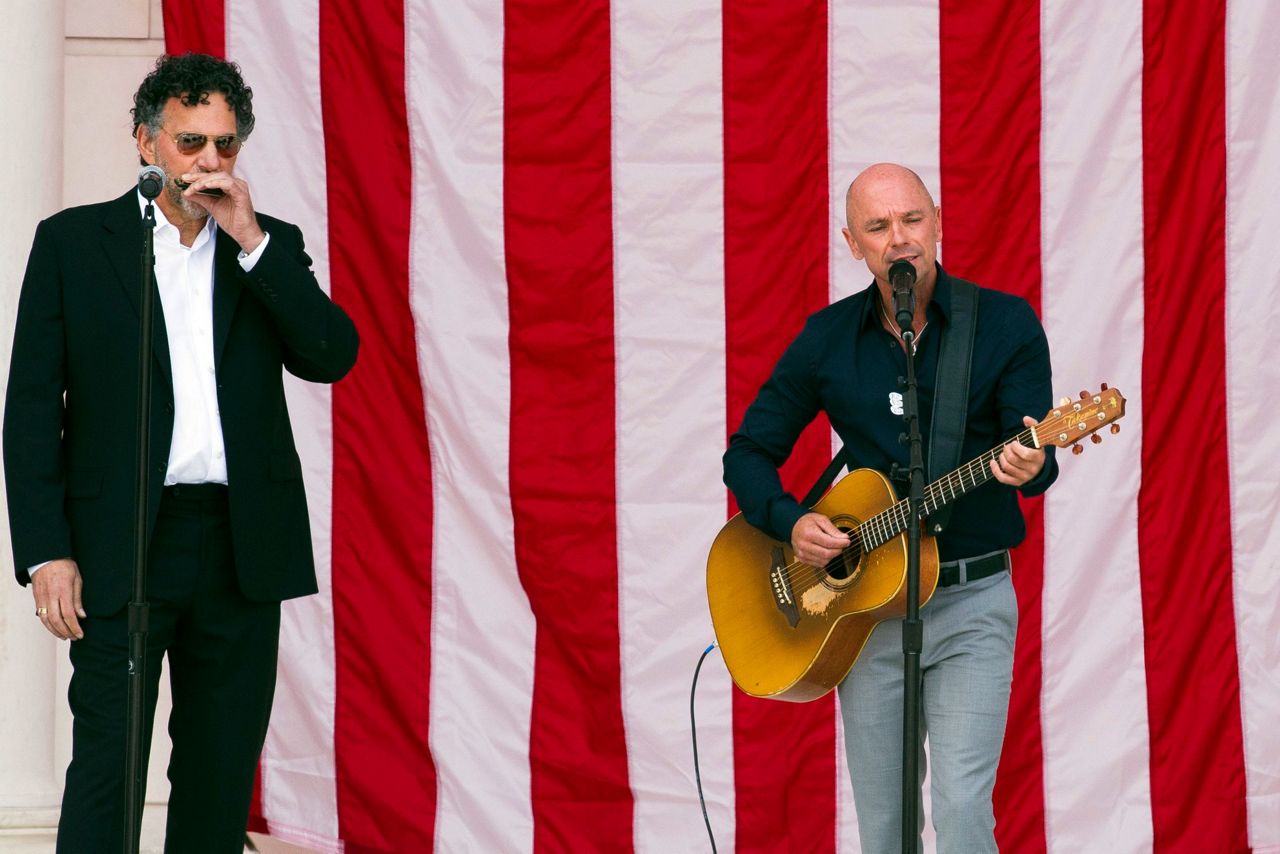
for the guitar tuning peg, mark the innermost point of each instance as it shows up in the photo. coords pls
(1115, 428)
(1077, 449)
(1064, 401)
(1105, 386)
(1095, 439)
(1084, 395)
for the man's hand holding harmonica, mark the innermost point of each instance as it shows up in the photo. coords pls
(231, 206)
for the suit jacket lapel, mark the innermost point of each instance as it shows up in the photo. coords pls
(122, 243)
(226, 290)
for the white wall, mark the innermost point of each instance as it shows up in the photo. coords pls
(70, 72)
(110, 47)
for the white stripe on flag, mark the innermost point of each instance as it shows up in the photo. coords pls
(277, 44)
(670, 336)
(1097, 791)
(482, 632)
(846, 814)
(1253, 379)
(883, 107)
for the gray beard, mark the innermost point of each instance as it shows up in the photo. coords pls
(189, 208)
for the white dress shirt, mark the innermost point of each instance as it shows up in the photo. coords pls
(184, 279)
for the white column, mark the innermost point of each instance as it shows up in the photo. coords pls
(31, 95)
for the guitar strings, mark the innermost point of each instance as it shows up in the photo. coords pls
(891, 521)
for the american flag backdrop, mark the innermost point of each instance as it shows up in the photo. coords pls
(576, 234)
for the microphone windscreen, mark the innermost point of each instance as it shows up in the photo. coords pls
(150, 181)
(902, 274)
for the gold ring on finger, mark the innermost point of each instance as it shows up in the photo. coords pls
(40, 612)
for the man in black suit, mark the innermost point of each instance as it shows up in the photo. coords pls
(227, 523)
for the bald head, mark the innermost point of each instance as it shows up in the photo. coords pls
(872, 181)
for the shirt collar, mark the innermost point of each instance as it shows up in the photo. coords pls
(941, 299)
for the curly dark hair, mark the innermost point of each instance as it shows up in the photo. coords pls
(192, 77)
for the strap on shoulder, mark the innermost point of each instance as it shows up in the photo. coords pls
(951, 398)
(828, 474)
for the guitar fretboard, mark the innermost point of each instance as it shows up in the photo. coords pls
(887, 524)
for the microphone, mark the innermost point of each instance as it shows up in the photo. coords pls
(207, 191)
(902, 278)
(150, 181)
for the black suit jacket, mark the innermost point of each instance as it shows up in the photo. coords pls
(70, 432)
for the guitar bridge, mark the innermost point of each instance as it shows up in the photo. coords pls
(781, 587)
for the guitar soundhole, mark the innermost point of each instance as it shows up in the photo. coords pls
(845, 568)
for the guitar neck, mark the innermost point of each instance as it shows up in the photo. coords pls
(884, 526)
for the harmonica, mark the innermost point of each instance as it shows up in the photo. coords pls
(207, 191)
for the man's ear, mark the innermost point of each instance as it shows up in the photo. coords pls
(853, 244)
(146, 145)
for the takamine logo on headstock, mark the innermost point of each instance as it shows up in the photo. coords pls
(1071, 421)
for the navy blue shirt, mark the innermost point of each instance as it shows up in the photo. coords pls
(844, 362)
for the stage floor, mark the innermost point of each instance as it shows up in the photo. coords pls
(41, 841)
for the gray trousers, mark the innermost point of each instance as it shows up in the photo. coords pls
(967, 667)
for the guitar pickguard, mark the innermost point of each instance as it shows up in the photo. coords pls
(818, 599)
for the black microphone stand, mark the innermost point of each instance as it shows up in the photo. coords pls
(138, 607)
(912, 626)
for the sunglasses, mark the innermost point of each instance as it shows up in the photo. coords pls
(227, 145)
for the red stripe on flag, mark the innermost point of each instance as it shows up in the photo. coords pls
(990, 159)
(257, 821)
(1184, 503)
(557, 188)
(1019, 798)
(777, 235)
(195, 26)
(382, 511)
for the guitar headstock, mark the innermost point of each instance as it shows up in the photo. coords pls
(1070, 421)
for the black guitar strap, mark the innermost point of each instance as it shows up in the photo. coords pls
(951, 392)
(950, 402)
(824, 480)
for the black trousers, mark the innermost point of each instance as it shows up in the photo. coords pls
(222, 670)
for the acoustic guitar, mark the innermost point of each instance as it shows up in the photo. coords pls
(790, 631)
